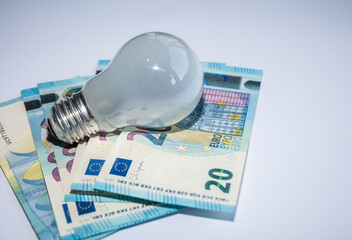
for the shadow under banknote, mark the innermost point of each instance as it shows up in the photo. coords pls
(227, 216)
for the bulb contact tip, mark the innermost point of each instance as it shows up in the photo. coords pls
(71, 121)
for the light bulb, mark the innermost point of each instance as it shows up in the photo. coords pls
(155, 80)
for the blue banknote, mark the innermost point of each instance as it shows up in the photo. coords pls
(199, 162)
(21, 166)
(49, 167)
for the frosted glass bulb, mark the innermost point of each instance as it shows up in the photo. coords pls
(155, 80)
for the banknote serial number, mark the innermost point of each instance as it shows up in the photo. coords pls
(4, 135)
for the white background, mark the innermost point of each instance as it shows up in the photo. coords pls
(297, 181)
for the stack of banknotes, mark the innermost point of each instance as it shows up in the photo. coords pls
(128, 176)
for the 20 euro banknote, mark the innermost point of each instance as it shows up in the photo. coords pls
(19, 161)
(199, 162)
(24, 172)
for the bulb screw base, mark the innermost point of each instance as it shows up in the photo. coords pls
(71, 121)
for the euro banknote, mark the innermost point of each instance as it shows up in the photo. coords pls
(199, 162)
(91, 218)
(19, 162)
(24, 173)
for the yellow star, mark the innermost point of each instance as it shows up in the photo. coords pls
(227, 142)
(181, 148)
(207, 148)
(235, 116)
(221, 103)
(238, 132)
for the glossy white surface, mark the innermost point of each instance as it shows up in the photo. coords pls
(155, 80)
(297, 180)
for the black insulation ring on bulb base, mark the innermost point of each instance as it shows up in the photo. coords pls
(50, 130)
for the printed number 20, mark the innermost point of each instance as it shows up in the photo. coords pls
(220, 174)
(157, 141)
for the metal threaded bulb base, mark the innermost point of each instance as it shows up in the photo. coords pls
(71, 121)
